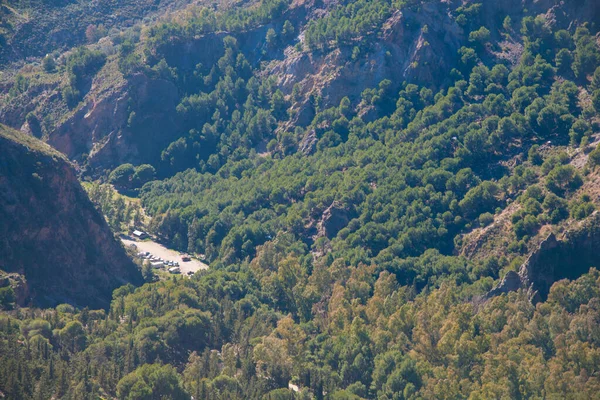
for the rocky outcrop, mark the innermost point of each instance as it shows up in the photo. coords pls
(308, 144)
(556, 259)
(20, 289)
(50, 231)
(510, 283)
(421, 54)
(561, 13)
(334, 218)
(102, 128)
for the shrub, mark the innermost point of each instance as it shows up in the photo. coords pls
(594, 157)
(486, 218)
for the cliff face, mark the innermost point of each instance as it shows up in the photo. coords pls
(101, 126)
(421, 54)
(51, 233)
(566, 258)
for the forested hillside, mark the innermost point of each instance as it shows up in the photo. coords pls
(397, 200)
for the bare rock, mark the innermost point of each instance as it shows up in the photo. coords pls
(555, 259)
(309, 143)
(510, 283)
(334, 219)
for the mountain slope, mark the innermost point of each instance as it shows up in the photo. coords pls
(365, 178)
(51, 233)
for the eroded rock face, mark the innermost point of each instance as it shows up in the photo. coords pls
(568, 258)
(102, 127)
(419, 54)
(309, 142)
(510, 283)
(50, 231)
(334, 219)
(19, 285)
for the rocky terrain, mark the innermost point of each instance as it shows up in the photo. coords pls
(567, 257)
(51, 233)
(418, 45)
(35, 28)
(398, 199)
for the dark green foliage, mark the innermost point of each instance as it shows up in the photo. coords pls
(7, 297)
(587, 54)
(582, 207)
(225, 111)
(143, 174)
(563, 60)
(563, 179)
(126, 353)
(34, 125)
(49, 64)
(480, 37)
(347, 24)
(271, 38)
(288, 30)
(81, 67)
(20, 85)
(152, 381)
(596, 100)
(461, 130)
(122, 175)
(129, 61)
(126, 176)
(480, 199)
(594, 157)
(595, 83)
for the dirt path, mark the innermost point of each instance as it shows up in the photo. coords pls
(160, 251)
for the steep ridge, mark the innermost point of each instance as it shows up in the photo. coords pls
(51, 233)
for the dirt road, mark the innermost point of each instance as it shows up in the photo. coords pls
(160, 251)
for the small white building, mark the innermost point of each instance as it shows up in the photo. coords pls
(140, 234)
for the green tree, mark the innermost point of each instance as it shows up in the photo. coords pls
(563, 179)
(563, 60)
(144, 173)
(587, 55)
(122, 175)
(278, 105)
(73, 336)
(152, 382)
(271, 38)
(480, 36)
(596, 100)
(49, 64)
(287, 30)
